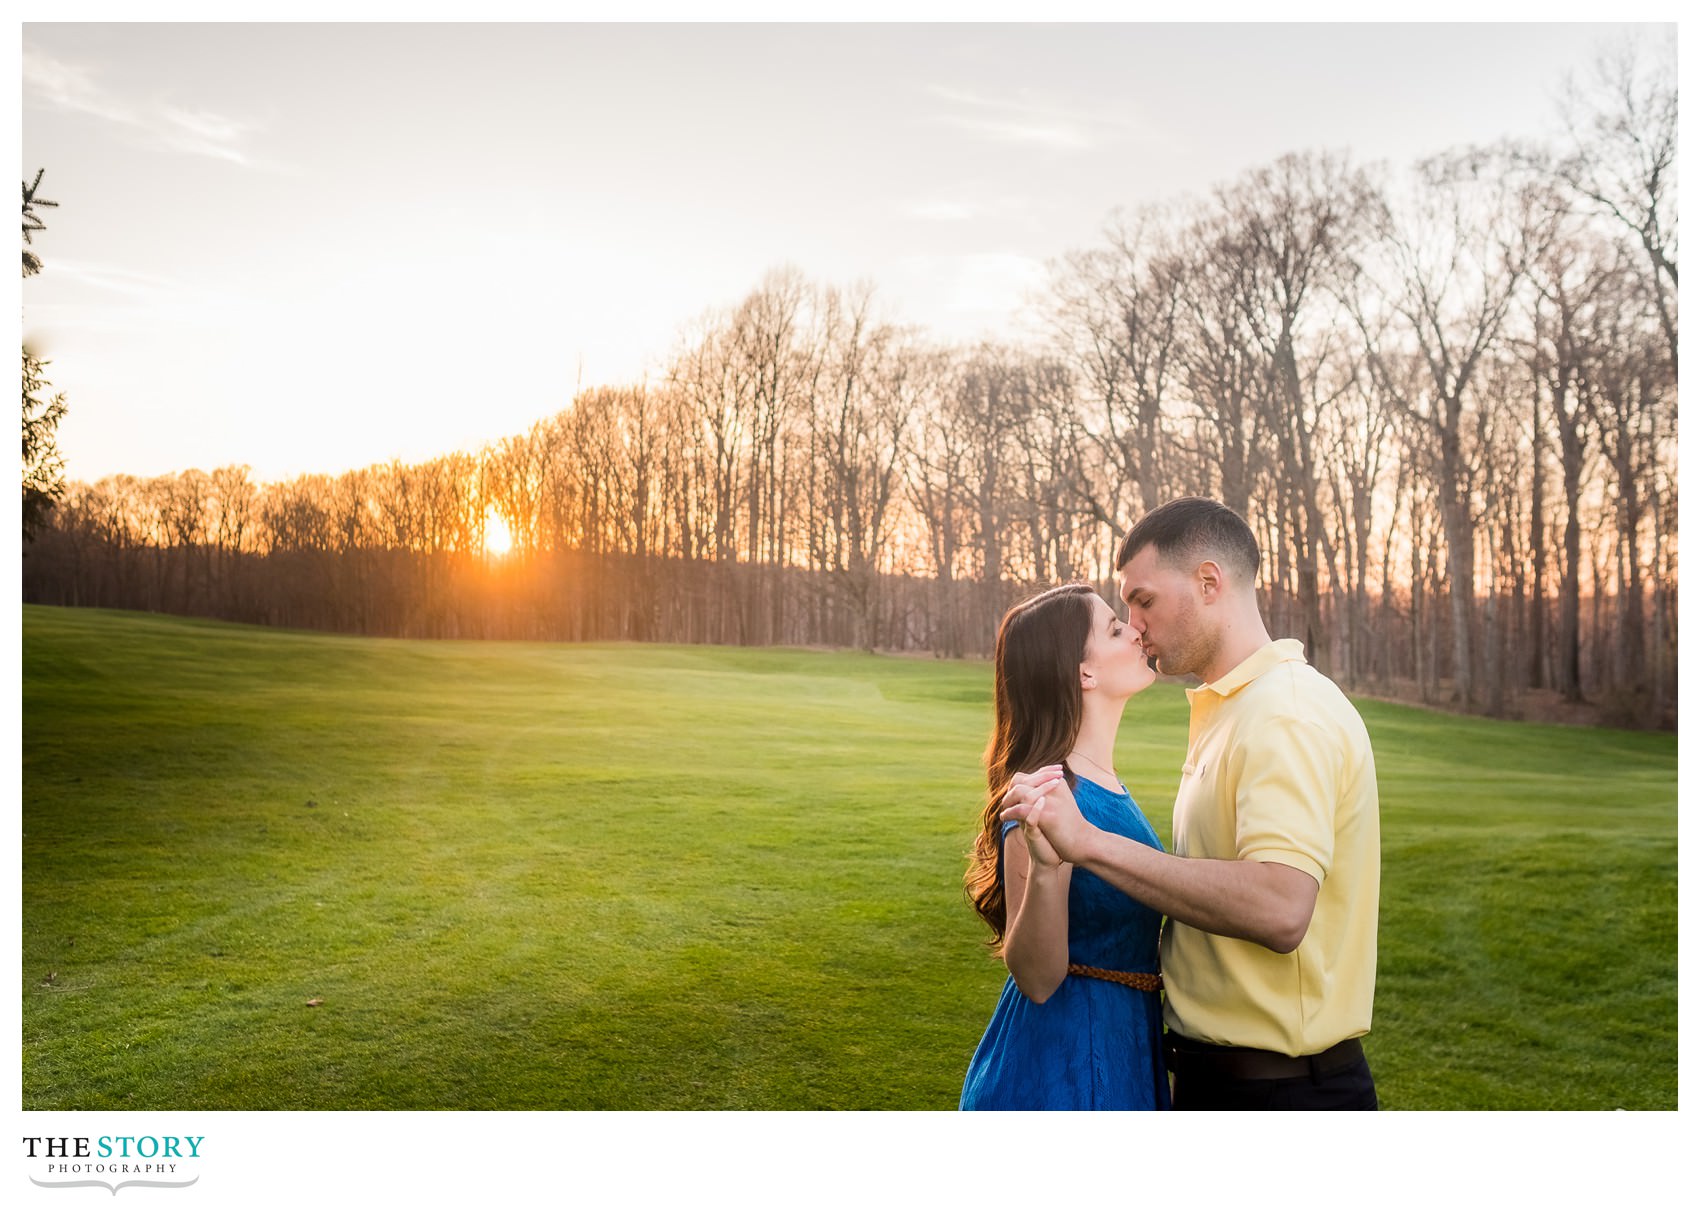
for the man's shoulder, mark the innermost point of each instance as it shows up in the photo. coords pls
(1292, 677)
(1300, 691)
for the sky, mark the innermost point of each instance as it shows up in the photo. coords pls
(311, 247)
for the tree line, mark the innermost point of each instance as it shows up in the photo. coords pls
(1444, 397)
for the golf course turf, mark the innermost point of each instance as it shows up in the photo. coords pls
(269, 869)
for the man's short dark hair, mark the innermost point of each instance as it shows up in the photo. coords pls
(1190, 530)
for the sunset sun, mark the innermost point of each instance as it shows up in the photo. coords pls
(498, 538)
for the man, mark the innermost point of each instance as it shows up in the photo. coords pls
(1273, 887)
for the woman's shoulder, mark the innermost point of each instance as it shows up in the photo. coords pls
(1095, 799)
(1099, 791)
(1116, 811)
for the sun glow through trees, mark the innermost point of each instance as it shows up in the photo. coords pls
(498, 538)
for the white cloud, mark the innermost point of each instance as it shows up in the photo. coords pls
(991, 281)
(1065, 137)
(73, 87)
(1028, 118)
(203, 134)
(943, 211)
(119, 280)
(70, 86)
(968, 201)
(968, 296)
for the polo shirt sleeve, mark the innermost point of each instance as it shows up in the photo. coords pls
(1285, 791)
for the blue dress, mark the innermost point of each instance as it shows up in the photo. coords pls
(1093, 1045)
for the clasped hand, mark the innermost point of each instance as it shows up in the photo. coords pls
(1050, 819)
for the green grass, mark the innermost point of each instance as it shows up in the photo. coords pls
(612, 876)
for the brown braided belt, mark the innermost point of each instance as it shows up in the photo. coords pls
(1148, 981)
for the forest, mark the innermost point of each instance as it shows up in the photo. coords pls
(1443, 394)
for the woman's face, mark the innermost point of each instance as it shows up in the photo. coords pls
(1115, 657)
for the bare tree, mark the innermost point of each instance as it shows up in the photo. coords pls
(1221, 369)
(939, 460)
(1359, 458)
(1115, 315)
(1625, 394)
(777, 367)
(874, 376)
(1622, 159)
(989, 403)
(1457, 253)
(1567, 278)
(1297, 227)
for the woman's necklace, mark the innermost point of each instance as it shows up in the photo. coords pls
(1100, 769)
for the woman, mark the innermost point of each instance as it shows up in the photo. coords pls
(1072, 1031)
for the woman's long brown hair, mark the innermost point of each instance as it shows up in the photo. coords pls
(1036, 710)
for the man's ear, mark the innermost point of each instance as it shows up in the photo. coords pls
(1210, 585)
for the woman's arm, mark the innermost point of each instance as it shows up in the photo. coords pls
(1035, 947)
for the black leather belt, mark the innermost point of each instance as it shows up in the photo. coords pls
(1190, 1056)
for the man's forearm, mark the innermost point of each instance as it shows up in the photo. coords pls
(1265, 903)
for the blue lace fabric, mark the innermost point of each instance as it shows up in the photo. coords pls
(1093, 1045)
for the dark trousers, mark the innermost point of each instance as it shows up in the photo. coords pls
(1210, 1077)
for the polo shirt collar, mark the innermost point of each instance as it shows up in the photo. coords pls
(1274, 653)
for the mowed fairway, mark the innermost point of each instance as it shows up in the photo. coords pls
(565, 876)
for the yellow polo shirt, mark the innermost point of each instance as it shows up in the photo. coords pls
(1279, 770)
